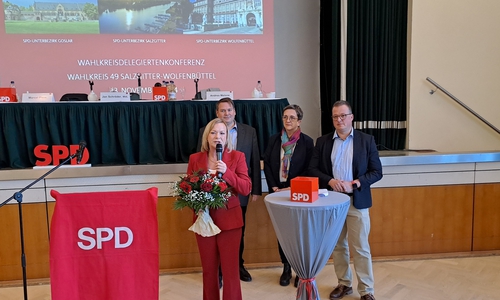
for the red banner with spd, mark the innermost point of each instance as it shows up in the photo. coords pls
(104, 246)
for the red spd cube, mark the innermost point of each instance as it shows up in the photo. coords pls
(160, 93)
(304, 189)
(8, 95)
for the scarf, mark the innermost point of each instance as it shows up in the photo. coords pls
(288, 144)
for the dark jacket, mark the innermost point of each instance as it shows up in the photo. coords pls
(298, 165)
(366, 165)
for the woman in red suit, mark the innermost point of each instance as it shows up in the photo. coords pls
(223, 248)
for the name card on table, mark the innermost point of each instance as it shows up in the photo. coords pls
(304, 189)
(217, 95)
(114, 97)
(160, 93)
(38, 97)
(8, 95)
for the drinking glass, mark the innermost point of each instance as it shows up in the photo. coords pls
(182, 91)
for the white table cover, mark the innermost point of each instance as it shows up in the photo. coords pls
(308, 233)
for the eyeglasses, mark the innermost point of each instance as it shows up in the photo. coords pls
(341, 117)
(291, 118)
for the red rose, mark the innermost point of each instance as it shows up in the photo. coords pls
(194, 179)
(185, 187)
(206, 187)
(222, 186)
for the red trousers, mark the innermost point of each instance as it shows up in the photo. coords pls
(222, 249)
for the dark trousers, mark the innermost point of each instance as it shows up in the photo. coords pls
(284, 260)
(282, 254)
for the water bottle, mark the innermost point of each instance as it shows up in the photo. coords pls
(260, 92)
(172, 91)
(13, 86)
(257, 90)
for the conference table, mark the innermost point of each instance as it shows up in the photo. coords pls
(123, 133)
(307, 233)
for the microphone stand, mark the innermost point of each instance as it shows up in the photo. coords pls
(197, 95)
(18, 196)
(139, 85)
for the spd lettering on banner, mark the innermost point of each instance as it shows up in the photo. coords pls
(104, 245)
(103, 235)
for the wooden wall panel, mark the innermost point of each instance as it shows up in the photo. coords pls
(406, 220)
(36, 241)
(178, 248)
(487, 217)
(261, 243)
(419, 220)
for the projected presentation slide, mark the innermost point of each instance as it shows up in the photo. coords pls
(129, 46)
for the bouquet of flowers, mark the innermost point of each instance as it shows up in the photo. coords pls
(201, 191)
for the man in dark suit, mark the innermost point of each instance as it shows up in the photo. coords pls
(347, 161)
(244, 138)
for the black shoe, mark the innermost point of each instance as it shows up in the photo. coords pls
(340, 291)
(296, 283)
(286, 276)
(244, 275)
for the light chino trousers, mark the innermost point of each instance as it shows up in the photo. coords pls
(355, 230)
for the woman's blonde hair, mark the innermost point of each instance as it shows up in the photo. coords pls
(204, 139)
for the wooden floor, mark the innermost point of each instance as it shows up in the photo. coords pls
(476, 277)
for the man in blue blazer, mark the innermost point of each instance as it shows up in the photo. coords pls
(347, 161)
(244, 137)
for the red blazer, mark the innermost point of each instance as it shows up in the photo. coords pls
(236, 176)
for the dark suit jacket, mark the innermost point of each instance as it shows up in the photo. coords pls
(298, 165)
(246, 142)
(236, 176)
(366, 165)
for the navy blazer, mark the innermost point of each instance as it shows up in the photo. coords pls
(246, 142)
(298, 165)
(366, 165)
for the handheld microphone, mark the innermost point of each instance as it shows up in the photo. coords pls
(82, 145)
(218, 150)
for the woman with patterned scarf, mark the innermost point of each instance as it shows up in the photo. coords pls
(287, 156)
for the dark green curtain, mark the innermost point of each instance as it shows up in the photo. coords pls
(122, 133)
(329, 60)
(376, 69)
